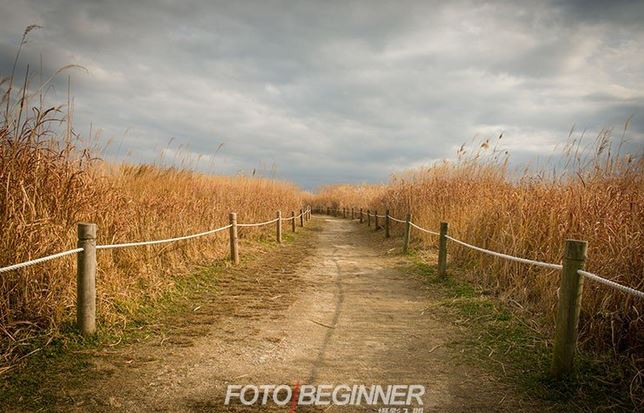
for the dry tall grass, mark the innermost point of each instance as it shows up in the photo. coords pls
(346, 195)
(49, 185)
(597, 197)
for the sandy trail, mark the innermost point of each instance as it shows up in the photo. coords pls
(342, 312)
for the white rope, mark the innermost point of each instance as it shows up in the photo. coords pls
(508, 257)
(259, 224)
(39, 260)
(291, 218)
(397, 220)
(161, 241)
(423, 229)
(613, 284)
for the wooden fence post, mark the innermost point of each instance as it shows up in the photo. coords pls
(86, 279)
(375, 214)
(344, 212)
(387, 223)
(368, 217)
(353, 213)
(301, 217)
(571, 286)
(328, 211)
(279, 227)
(442, 250)
(361, 216)
(234, 247)
(407, 234)
(293, 221)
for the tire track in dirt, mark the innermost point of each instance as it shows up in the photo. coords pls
(336, 316)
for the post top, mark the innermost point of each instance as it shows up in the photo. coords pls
(575, 249)
(86, 230)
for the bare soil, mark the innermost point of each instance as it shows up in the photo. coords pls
(331, 308)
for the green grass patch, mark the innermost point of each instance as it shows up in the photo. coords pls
(511, 347)
(67, 358)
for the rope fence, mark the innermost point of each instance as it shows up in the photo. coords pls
(613, 284)
(570, 288)
(283, 219)
(421, 228)
(39, 260)
(259, 224)
(508, 257)
(160, 241)
(86, 264)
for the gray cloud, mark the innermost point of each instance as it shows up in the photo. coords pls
(325, 92)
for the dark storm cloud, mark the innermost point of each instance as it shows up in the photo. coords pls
(324, 91)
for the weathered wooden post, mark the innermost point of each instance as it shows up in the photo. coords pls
(375, 214)
(301, 217)
(328, 211)
(571, 286)
(293, 221)
(407, 234)
(387, 223)
(368, 217)
(234, 247)
(344, 212)
(353, 214)
(442, 250)
(86, 279)
(278, 227)
(361, 220)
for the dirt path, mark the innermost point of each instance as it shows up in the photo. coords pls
(340, 314)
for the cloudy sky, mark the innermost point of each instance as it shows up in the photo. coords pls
(321, 92)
